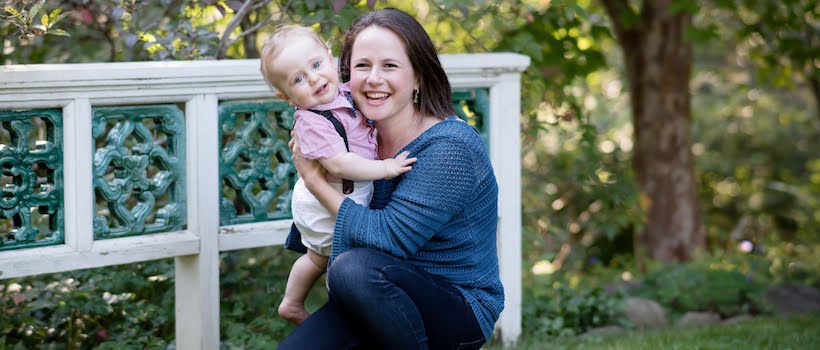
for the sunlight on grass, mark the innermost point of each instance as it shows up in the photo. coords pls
(795, 332)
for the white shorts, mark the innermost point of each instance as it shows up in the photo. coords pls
(314, 221)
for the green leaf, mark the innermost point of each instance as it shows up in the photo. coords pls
(34, 10)
(59, 32)
(57, 15)
(44, 20)
(13, 11)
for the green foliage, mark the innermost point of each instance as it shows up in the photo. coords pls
(563, 311)
(111, 31)
(689, 287)
(781, 37)
(252, 284)
(754, 144)
(128, 304)
(132, 306)
(23, 15)
(794, 263)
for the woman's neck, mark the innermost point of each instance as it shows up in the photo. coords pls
(395, 133)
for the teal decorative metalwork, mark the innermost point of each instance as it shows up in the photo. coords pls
(254, 166)
(474, 107)
(139, 170)
(31, 163)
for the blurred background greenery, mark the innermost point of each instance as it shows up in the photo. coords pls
(738, 113)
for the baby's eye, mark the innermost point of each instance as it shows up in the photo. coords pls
(317, 64)
(298, 79)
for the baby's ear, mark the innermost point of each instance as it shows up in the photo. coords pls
(281, 95)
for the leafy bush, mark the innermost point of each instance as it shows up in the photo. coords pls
(252, 284)
(690, 287)
(132, 306)
(127, 304)
(563, 311)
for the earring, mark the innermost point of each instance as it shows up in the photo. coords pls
(415, 97)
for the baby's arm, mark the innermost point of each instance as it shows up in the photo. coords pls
(351, 166)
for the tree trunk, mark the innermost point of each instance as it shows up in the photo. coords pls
(658, 62)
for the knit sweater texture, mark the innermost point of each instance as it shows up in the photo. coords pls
(441, 216)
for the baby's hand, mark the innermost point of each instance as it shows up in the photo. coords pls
(396, 166)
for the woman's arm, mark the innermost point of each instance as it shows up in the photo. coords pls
(441, 184)
(351, 166)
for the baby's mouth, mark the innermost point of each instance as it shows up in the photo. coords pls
(321, 90)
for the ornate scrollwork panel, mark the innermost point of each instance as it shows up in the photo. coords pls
(139, 170)
(31, 184)
(254, 167)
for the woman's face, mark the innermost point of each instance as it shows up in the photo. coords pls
(381, 75)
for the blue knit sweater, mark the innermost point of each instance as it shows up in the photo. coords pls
(441, 216)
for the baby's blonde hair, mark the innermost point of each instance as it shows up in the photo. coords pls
(274, 43)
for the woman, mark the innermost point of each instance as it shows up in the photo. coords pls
(417, 269)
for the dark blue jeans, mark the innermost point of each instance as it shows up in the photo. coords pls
(377, 301)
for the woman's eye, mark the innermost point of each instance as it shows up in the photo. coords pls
(360, 65)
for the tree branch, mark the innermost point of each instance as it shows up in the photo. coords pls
(225, 41)
(255, 27)
(620, 12)
(468, 32)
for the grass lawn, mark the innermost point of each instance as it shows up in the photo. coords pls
(782, 333)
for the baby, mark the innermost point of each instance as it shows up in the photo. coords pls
(300, 67)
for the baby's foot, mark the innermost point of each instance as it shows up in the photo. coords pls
(293, 311)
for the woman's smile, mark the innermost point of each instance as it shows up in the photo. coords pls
(376, 98)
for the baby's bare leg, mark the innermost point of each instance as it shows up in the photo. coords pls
(304, 273)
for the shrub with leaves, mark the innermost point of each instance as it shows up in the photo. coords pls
(132, 306)
(83, 309)
(24, 15)
(690, 287)
(563, 311)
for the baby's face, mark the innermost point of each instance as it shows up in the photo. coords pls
(305, 72)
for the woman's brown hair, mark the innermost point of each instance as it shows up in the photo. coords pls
(435, 95)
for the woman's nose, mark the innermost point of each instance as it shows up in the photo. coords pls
(375, 77)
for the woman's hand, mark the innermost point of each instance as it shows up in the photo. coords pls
(309, 170)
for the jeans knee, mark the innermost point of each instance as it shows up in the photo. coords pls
(354, 271)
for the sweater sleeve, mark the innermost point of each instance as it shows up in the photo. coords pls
(426, 198)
